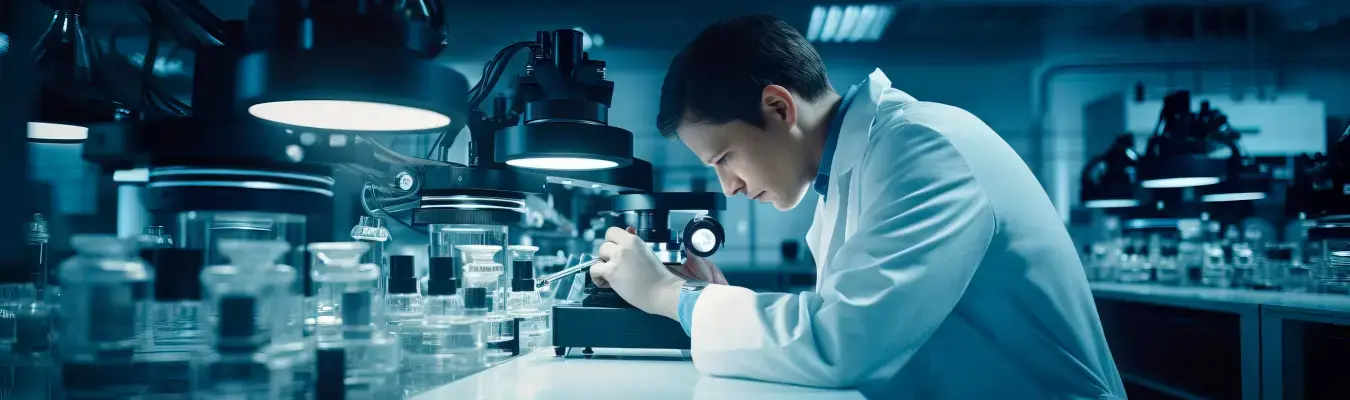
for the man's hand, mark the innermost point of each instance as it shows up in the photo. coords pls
(698, 268)
(636, 275)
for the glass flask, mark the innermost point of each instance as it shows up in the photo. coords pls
(373, 357)
(1134, 267)
(338, 273)
(403, 304)
(204, 230)
(240, 367)
(526, 304)
(1216, 271)
(107, 291)
(1190, 251)
(371, 230)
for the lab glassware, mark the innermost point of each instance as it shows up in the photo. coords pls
(240, 367)
(177, 339)
(403, 304)
(451, 339)
(205, 229)
(371, 230)
(107, 291)
(1217, 271)
(525, 303)
(339, 271)
(373, 357)
(481, 270)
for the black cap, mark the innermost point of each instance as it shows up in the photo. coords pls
(522, 276)
(442, 268)
(306, 278)
(236, 317)
(402, 275)
(330, 374)
(177, 273)
(441, 280)
(475, 297)
(356, 308)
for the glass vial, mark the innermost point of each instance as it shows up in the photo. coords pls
(107, 291)
(525, 303)
(371, 230)
(1216, 272)
(402, 303)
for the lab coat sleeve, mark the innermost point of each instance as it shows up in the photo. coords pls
(923, 228)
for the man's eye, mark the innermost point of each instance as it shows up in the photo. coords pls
(723, 160)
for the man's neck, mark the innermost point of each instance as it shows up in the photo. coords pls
(816, 127)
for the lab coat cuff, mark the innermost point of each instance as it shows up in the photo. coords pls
(726, 318)
(686, 310)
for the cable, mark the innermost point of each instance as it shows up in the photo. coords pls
(492, 72)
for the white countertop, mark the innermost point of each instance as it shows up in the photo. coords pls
(540, 375)
(1311, 302)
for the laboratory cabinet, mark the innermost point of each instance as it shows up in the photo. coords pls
(1210, 343)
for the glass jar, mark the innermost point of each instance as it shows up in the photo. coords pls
(338, 272)
(104, 308)
(253, 272)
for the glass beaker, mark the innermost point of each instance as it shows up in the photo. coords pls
(445, 239)
(339, 271)
(204, 230)
(1277, 269)
(1334, 276)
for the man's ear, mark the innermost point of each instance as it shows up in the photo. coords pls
(778, 106)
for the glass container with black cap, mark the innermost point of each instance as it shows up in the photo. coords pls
(451, 337)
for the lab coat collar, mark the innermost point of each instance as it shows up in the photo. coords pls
(856, 131)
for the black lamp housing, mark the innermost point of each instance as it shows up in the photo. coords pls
(68, 64)
(1178, 154)
(1110, 179)
(365, 51)
(560, 115)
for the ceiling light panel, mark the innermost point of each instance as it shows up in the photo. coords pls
(849, 23)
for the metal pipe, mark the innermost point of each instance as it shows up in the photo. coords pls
(1041, 96)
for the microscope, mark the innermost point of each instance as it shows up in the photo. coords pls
(603, 319)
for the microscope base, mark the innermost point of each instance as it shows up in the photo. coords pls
(615, 327)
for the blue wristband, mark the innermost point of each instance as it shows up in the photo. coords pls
(686, 310)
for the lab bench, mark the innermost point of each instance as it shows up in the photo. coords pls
(1201, 342)
(618, 374)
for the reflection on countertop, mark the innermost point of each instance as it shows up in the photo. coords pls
(626, 374)
(1206, 297)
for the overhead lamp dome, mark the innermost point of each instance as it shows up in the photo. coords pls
(1177, 156)
(363, 66)
(1110, 179)
(70, 98)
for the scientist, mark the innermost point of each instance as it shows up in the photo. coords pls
(943, 271)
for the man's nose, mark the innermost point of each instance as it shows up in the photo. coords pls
(730, 183)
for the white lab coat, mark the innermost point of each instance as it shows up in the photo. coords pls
(943, 271)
